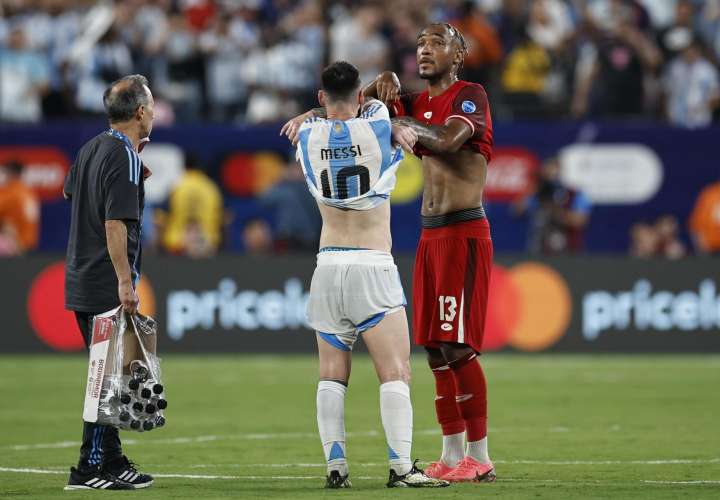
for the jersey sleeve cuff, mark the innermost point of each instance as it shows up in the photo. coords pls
(465, 119)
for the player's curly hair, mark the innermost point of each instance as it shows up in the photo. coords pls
(456, 35)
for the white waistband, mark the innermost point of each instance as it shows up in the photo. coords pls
(356, 257)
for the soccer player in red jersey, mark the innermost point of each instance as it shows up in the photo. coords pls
(454, 257)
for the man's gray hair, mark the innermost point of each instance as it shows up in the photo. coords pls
(121, 104)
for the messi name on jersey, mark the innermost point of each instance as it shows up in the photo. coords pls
(342, 153)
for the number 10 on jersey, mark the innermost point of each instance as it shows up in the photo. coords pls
(341, 181)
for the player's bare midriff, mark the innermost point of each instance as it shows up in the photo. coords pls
(356, 228)
(453, 181)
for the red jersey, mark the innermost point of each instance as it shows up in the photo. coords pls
(462, 101)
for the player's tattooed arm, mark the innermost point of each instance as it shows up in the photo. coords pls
(446, 138)
(292, 127)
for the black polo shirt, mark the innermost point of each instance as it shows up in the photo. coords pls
(105, 183)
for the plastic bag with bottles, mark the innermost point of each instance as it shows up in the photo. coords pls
(124, 386)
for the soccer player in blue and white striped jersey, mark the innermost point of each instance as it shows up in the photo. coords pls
(347, 155)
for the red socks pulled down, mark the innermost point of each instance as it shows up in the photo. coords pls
(471, 395)
(461, 401)
(448, 413)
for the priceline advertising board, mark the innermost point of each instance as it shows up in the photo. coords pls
(237, 304)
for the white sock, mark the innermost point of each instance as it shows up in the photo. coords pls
(331, 424)
(478, 450)
(452, 451)
(397, 419)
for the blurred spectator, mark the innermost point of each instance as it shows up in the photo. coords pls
(146, 29)
(283, 74)
(612, 71)
(657, 239)
(225, 45)
(257, 237)
(109, 60)
(704, 221)
(19, 213)
(661, 12)
(297, 216)
(356, 37)
(709, 25)
(558, 214)
(676, 37)
(670, 246)
(550, 23)
(644, 241)
(524, 78)
(180, 79)
(605, 14)
(403, 41)
(692, 88)
(196, 244)
(195, 218)
(551, 26)
(511, 23)
(484, 48)
(24, 80)
(198, 13)
(54, 31)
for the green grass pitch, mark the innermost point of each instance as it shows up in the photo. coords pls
(244, 427)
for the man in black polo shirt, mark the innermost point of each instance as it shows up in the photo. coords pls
(106, 188)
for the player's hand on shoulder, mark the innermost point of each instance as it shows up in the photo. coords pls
(388, 87)
(128, 298)
(404, 136)
(291, 129)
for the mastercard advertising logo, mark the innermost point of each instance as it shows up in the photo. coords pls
(529, 307)
(52, 323)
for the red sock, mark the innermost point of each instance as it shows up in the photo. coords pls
(471, 395)
(448, 413)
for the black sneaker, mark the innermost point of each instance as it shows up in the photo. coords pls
(95, 479)
(335, 481)
(416, 478)
(125, 470)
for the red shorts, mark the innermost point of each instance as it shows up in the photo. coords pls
(450, 284)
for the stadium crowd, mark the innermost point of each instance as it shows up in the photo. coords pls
(258, 60)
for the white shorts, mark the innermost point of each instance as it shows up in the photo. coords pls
(351, 291)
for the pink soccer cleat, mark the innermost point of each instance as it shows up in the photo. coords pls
(470, 470)
(437, 469)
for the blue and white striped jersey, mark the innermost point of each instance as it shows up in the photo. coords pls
(350, 164)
